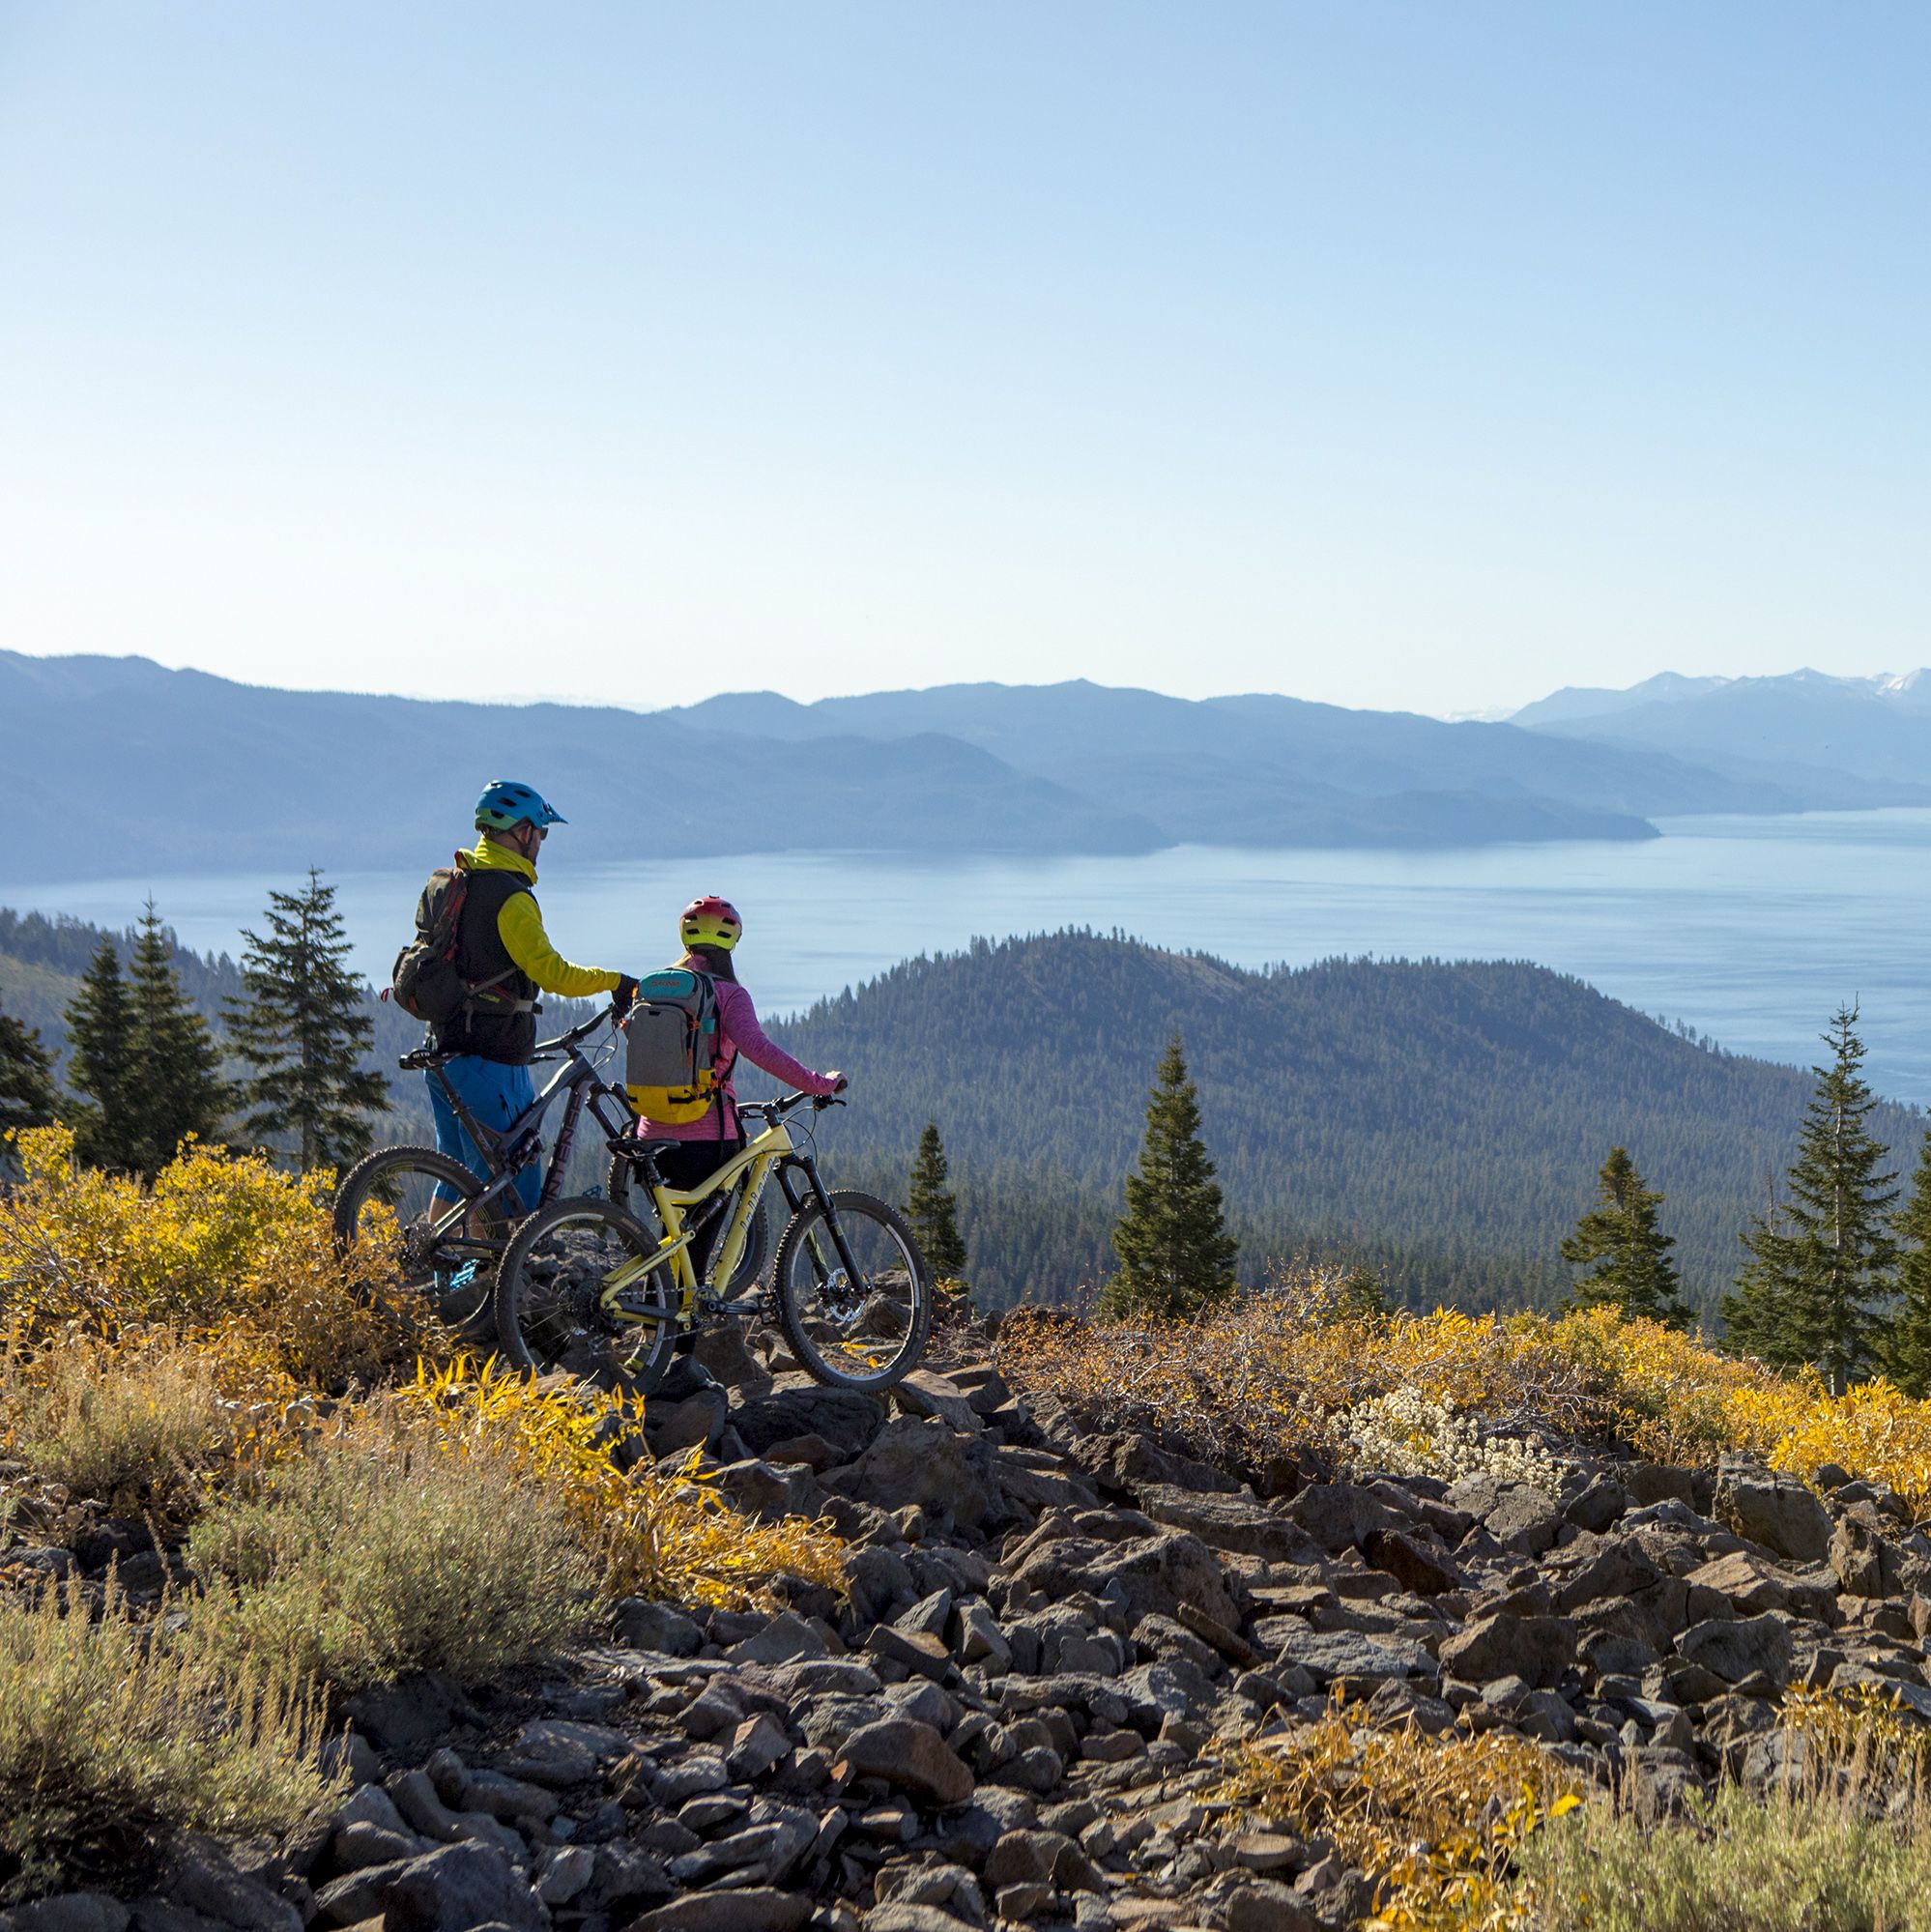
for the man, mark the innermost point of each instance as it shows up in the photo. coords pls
(503, 950)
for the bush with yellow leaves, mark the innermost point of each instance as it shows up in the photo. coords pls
(223, 1247)
(1435, 1822)
(651, 1535)
(1296, 1366)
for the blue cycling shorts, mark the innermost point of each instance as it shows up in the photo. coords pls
(496, 1094)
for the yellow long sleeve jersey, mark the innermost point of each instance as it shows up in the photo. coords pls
(520, 927)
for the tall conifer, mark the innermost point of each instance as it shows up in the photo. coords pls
(177, 1083)
(1626, 1254)
(1908, 1347)
(302, 1030)
(1176, 1256)
(142, 1058)
(27, 1094)
(933, 1208)
(1822, 1256)
(100, 1044)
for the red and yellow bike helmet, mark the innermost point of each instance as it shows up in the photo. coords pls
(711, 922)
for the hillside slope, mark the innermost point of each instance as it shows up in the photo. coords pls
(1445, 1121)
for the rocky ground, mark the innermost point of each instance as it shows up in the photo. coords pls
(1051, 1636)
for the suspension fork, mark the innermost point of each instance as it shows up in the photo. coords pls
(815, 1191)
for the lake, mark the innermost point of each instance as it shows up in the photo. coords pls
(1750, 929)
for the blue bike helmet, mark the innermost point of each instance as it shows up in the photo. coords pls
(504, 803)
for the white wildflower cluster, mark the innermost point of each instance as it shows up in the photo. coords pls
(1408, 1434)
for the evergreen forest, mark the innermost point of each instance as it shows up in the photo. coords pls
(1440, 1125)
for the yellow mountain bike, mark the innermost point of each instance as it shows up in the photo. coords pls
(591, 1287)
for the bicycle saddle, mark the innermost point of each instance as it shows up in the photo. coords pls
(425, 1056)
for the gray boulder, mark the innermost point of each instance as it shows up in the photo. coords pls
(911, 1755)
(1225, 1521)
(1535, 1649)
(1339, 1515)
(1777, 1511)
(1154, 1574)
(845, 1418)
(920, 1464)
(458, 1888)
(1735, 1648)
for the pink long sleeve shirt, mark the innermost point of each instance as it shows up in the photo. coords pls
(737, 1032)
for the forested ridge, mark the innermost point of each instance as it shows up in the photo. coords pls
(1443, 1122)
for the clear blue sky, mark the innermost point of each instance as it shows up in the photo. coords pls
(1427, 356)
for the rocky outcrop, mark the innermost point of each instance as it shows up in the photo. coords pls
(1014, 1717)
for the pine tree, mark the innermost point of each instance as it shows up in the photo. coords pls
(1363, 1295)
(1908, 1347)
(1176, 1256)
(1820, 1259)
(27, 1093)
(933, 1209)
(100, 1059)
(302, 1030)
(143, 1058)
(1626, 1254)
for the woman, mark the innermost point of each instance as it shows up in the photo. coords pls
(711, 929)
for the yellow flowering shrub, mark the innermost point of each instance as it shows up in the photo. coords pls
(1433, 1821)
(1294, 1366)
(223, 1247)
(654, 1536)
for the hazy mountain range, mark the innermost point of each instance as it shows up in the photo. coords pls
(1796, 727)
(121, 758)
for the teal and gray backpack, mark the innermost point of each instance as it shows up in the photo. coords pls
(671, 1070)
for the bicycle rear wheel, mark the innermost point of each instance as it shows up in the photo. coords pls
(422, 1209)
(862, 1327)
(550, 1297)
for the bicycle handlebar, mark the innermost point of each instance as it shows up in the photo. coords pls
(577, 1033)
(786, 1102)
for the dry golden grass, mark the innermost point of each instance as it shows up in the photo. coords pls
(380, 1551)
(111, 1735)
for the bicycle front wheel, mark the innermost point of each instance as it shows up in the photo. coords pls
(420, 1210)
(856, 1326)
(579, 1291)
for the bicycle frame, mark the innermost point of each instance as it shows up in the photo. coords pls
(510, 1149)
(772, 1151)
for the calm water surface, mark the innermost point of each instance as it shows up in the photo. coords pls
(1751, 930)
